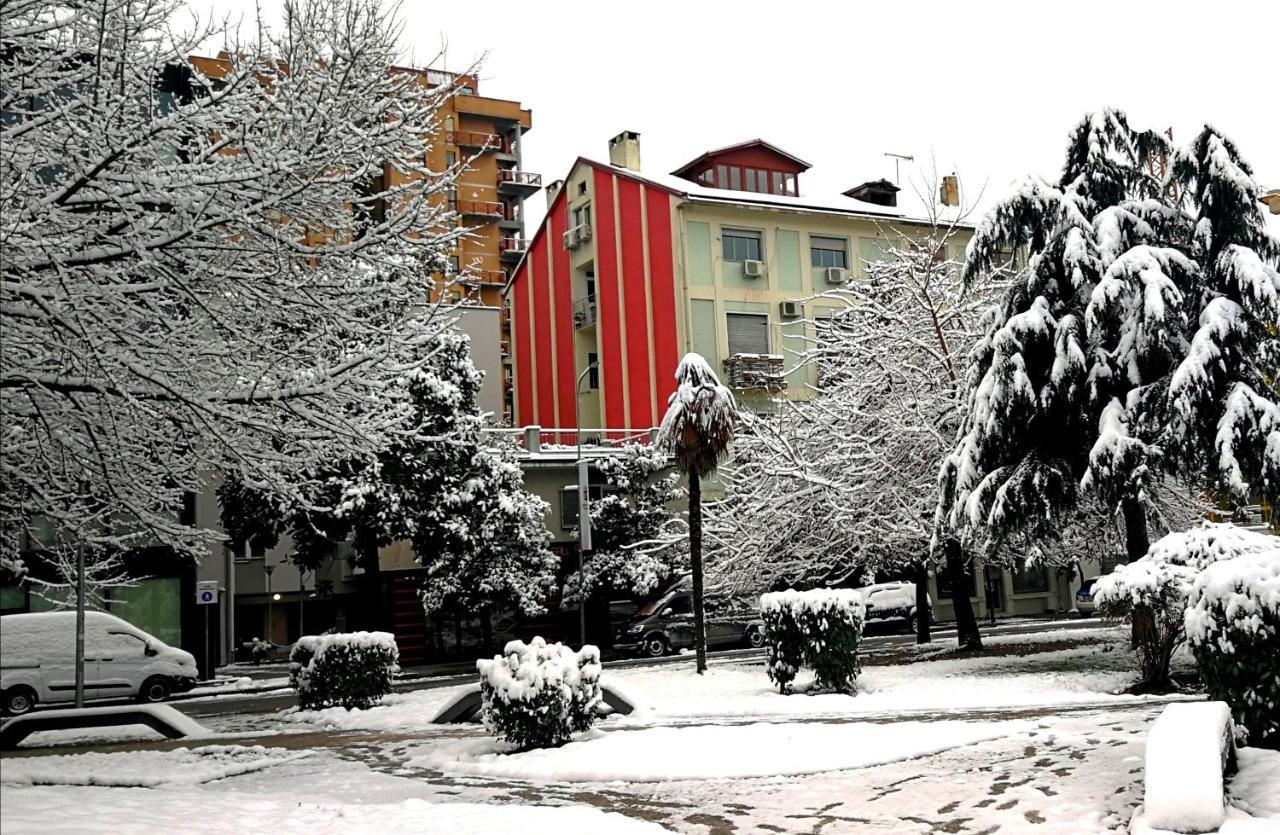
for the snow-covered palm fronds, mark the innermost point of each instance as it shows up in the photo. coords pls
(698, 425)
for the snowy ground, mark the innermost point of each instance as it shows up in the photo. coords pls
(1044, 742)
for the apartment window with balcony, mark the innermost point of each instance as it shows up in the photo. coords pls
(748, 333)
(740, 245)
(582, 215)
(828, 252)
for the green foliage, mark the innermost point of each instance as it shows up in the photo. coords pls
(351, 670)
(817, 629)
(538, 695)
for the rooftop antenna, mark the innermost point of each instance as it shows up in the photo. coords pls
(897, 162)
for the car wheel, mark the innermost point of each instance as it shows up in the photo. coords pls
(154, 690)
(19, 700)
(655, 646)
(755, 637)
(913, 623)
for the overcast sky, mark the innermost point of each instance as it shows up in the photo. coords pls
(989, 90)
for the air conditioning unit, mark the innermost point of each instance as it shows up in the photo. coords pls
(584, 232)
(571, 238)
(837, 275)
(790, 310)
(752, 269)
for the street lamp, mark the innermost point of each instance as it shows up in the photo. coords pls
(584, 508)
(270, 624)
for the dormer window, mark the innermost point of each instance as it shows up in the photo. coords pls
(754, 166)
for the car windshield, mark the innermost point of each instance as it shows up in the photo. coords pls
(653, 606)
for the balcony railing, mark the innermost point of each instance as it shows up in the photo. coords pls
(755, 371)
(483, 278)
(519, 178)
(473, 139)
(480, 208)
(512, 246)
(584, 313)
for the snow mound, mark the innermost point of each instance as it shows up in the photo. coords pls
(1184, 771)
(142, 769)
(716, 751)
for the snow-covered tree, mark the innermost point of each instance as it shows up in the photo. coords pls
(844, 481)
(697, 431)
(195, 275)
(1139, 342)
(633, 550)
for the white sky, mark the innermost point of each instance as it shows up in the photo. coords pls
(987, 89)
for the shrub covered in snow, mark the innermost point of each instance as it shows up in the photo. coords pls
(1152, 592)
(819, 629)
(538, 695)
(1233, 626)
(349, 669)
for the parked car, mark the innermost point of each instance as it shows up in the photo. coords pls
(888, 603)
(1084, 597)
(665, 624)
(38, 661)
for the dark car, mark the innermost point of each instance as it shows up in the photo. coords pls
(665, 625)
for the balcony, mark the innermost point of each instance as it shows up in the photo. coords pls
(483, 278)
(755, 371)
(584, 313)
(512, 249)
(473, 139)
(522, 183)
(480, 208)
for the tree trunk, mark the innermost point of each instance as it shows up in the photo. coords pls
(966, 624)
(695, 565)
(79, 626)
(1142, 623)
(922, 602)
(457, 632)
(486, 630)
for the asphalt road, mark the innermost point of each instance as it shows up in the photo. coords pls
(446, 675)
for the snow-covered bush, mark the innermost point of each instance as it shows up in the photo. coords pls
(1233, 626)
(538, 695)
(349, 669)
(819, 629)
(1152, 592)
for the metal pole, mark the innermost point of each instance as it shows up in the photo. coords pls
(80, 626)
(302, 598)
(584, 509)
(270, 624)
(208, 668)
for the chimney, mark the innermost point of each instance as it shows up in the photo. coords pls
(879, 192)
(949, 191)
(624, 150)
(1272, 201)
(553, 189)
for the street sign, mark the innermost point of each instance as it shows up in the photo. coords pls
(206, 592)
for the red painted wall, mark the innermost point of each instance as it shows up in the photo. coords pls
(662, 291)
(631, 225)
(566, 372)
(607, 293)
(522, 345)
(536, 263)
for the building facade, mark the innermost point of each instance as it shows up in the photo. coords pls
(727, 256)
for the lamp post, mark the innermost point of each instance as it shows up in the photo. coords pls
(270, 624)
(584, 508)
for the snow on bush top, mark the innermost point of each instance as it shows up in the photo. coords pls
(817, 601)
(525, 670)
(1176, 560)
(317, 644)
(1242, 594)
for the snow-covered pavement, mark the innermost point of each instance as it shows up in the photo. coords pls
(1040, 742)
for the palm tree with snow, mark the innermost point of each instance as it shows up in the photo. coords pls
(697, 431)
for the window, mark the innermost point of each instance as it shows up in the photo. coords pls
(582, 215)
(582, 188)
(735, 178)
(455, 266)
(593, 373)
(751, 179)
(707, 178)
(1030, 580)
(875, 249)
(722, 176)
(777, 183)
(944, 583)
(681, 605)
(828, 252)
(748, 333)
(740, 245)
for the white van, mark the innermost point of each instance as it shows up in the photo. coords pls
(38, 661)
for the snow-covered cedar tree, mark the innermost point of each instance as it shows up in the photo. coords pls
(818, 629)
(1152, 591)
(347, 669)
(207, 266)
(696, 432)
(538, 695)
(844, 482)
(1139, 341)
(634, 545)
(1233, 626)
